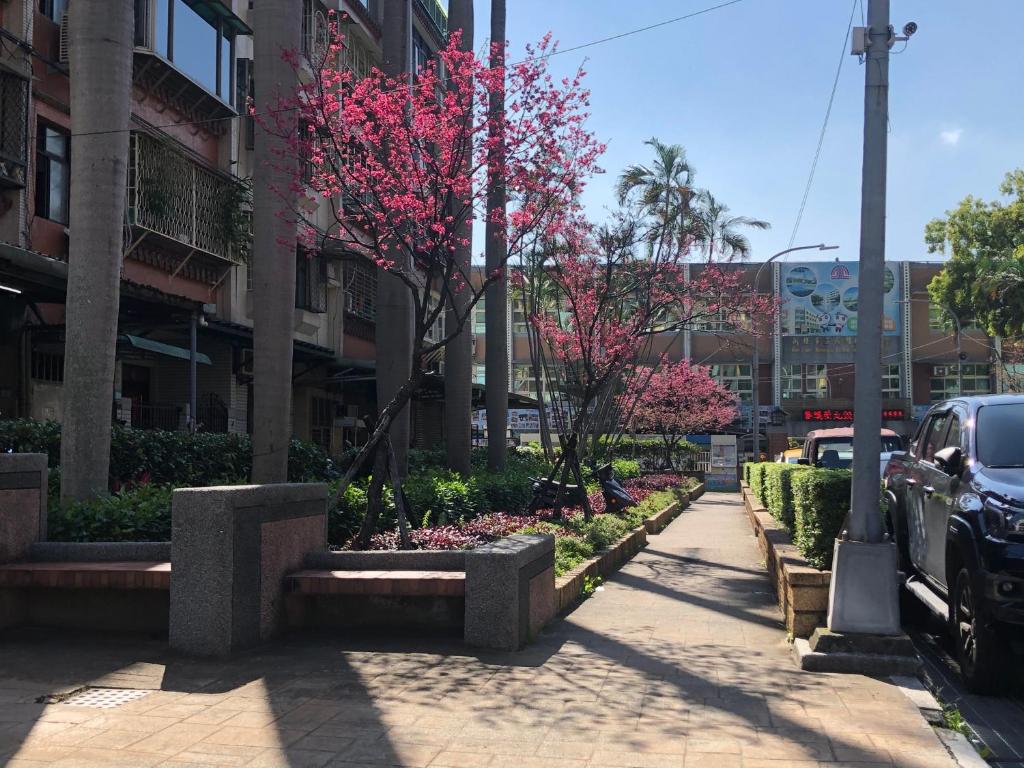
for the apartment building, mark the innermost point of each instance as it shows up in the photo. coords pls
(186, 286)
(805, 375)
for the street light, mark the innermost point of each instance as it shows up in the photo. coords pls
(755, 373)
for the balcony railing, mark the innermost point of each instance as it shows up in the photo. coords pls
(189, 207)
(13, 128)
(437, 15)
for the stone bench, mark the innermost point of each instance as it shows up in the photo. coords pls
(398, 583)
(87, 575)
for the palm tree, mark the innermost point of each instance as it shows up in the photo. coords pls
(665, 189)
(276, 28)
(458, 373)
(101, 59)
(496, 306)
(716, 228)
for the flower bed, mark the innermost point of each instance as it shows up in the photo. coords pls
(576, 539)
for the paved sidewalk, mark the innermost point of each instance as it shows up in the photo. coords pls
(679, 661)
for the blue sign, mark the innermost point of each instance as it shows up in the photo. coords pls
(820, 299)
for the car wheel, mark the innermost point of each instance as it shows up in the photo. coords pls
(978, 644)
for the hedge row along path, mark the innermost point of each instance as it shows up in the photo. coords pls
(679, 661)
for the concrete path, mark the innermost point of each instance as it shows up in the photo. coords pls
(680, 660)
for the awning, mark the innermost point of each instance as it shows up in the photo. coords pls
(159, 348)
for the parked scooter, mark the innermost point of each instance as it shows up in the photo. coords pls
(616, 497)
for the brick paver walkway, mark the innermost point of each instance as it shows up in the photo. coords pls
(679, 661)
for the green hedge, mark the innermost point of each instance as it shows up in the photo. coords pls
(141, 514)
(169, 458)
(756, 480)
(821, 498)
(778, 492)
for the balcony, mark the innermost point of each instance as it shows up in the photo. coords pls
(13, 129)
(186, 206)
(437, 16)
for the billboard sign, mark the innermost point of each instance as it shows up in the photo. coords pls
(820, 299)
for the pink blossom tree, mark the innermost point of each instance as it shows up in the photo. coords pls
(401, 164)
(676, 400)
(609, 298)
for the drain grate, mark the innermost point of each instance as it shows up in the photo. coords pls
(104, 698)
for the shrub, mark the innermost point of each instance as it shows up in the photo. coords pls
(442, 497)
(626, 469)
(605, 530)
(570, 551)
(757, 479)
(140, 514)
(169, 458)
(508, 491)
(821, 498)
(345, 515)
(778, 492)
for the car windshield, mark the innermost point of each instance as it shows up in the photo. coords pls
(999, 430)
(840, 450)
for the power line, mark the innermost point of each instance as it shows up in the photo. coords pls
(824, 127)
(548, 55)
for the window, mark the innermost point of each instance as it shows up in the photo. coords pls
(13, 127)
(736, 378)
(436, 332)
(47, 367)
(53, 9)
(518, 318)
(321, 422)
(523, 382)
(197, 39)
(937, 318)
(933, 441)
(945, 379)
(804, 382)
(310, 282)
(890, 382)
(954, 433)
(479, 323)
(53, 171)
(361, 291)
(420, 52)
(479, 373)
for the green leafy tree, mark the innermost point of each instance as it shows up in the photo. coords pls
(984, 277)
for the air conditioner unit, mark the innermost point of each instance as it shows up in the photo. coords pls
(64, 55)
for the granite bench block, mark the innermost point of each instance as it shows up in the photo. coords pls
(510, 591)
(23, 488)
(232, 547)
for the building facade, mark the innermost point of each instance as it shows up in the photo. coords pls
(805, 375)
(185, 271)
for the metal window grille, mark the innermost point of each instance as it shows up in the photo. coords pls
(361, 291)
(175, 196)
(311, 282)
(13, 128)
(48, 367)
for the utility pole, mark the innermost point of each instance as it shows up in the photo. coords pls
(863, 598)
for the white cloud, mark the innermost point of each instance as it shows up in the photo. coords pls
(952, 137)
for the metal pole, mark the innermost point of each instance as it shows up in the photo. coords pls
(192, 352)
(865, 520)
(959, 358)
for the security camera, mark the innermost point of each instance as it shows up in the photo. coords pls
(909, 28)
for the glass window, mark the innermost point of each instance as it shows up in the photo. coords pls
(52, 173)
(479, 373)
(977, 380)
(361, 291)
(998, 431)
(522, 380)
(226, 58)
(518, 318)
(194, 49)
(890, 381)
(321, 422)
(935, 432)
(420, 51)
(792, 382)
(53, 9)
(808, 381)
(736, 378)
(161, 26)
(953, 435)
(479, 323)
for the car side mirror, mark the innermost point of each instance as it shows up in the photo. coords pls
(805, 462)
(949, 460)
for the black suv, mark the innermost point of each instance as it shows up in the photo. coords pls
(956, 509)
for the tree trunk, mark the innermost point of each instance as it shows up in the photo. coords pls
(458, 366)
(394, 327)
(276, 27)
(496, 308)
(101, 82)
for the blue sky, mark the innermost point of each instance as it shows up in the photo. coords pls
(744, 89)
